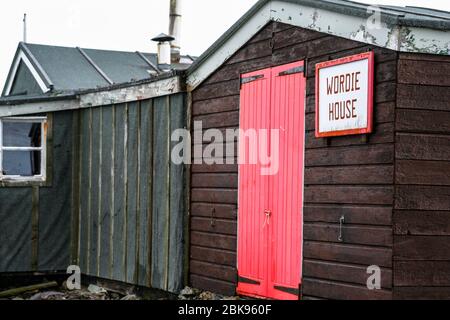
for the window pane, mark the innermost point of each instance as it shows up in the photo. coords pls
(21, 134)
(22, 163)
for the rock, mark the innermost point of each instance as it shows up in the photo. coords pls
(96, 289)
(114, 296)
(49, 295)
(130, 297)
(207, 296)
(187, 292)
(230, 298)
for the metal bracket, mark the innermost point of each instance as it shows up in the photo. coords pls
(293, 291)
(248, 281)
(341, 224)
(292, 71)
(251, 79)
(305, 72)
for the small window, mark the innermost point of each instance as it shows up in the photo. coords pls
(23, 149)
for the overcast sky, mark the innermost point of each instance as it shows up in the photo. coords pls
(127, 25)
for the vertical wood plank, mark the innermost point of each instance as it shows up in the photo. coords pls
(177, 203)
(106, 191)
(145, 168)
(95, 191)
(119, 192)
(167, 200)
(132, 192)
(150, 196)
(113, 191)
(160, 194)
(76, 165)
(34, 228)
(85, 188)
(187, 183)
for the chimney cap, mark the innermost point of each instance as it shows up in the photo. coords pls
(163, 38)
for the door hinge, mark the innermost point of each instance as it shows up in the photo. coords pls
(248, 281)
(292, 71)
(251, 79)
(293, 291)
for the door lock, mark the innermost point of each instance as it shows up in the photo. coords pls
(267, 214)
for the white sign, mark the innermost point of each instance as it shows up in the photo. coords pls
(344, 96)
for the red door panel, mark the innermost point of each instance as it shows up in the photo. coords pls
(286, 187)
(269, 249)
(253, 189)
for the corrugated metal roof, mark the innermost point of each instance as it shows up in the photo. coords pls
(73, 69)
(66, 67)
(56, 95)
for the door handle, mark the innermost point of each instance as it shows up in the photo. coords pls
(267, 214)
(341, 224)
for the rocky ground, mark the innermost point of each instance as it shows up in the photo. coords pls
(93, 292)
(60, 293)
(195, 294)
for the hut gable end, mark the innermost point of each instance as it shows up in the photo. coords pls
(350, 176)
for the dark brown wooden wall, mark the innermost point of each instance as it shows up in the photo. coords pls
(346, 176)
(422, 175)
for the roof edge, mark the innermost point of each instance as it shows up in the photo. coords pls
(37, 65)
(23, 54)
(164, 85)
(10, 72)
(396, 32)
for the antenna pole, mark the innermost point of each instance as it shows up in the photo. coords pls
(25, 27)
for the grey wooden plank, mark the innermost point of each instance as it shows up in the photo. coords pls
(95, 191)
(76, 160)
(15, 230)
(177, 202)
(145, 170)
(119, 193)
(35, 228)
(132, 190)
(55, 202)
(85, 148)
(160, 194)
(106, 212)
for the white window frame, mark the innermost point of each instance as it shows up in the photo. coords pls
(43, 149)
(22, 57)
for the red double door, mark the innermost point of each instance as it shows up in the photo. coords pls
(270, 203)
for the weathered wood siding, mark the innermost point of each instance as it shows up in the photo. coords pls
(35, 221)
(130, 196)
(422, 176)
(347, 176)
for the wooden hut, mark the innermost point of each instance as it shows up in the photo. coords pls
(86, 175)
(377, 199)
(359, 203)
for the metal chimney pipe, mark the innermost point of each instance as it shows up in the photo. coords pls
(164, 53)
(175, 29)
(25, 27)
(164, 56)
